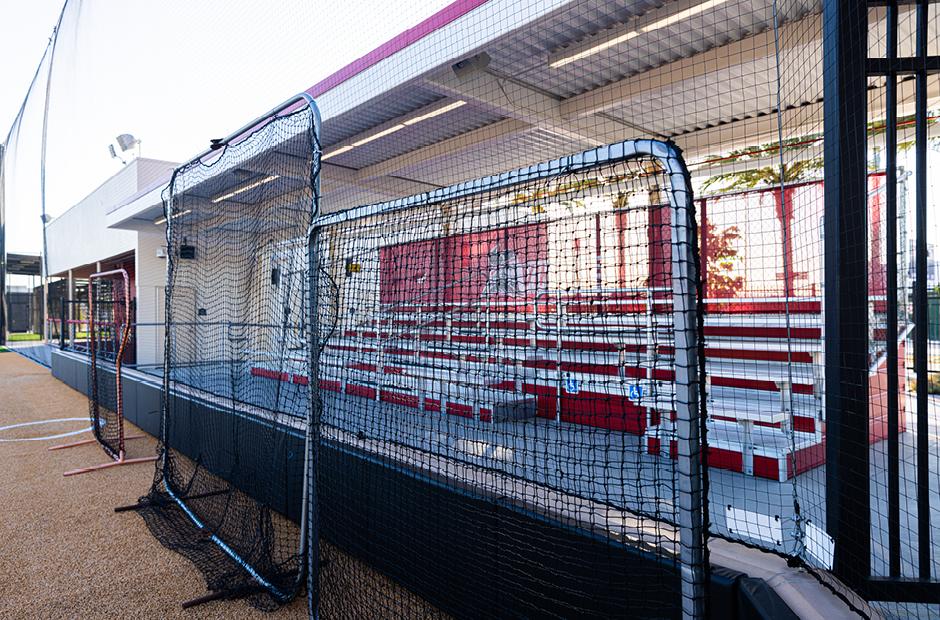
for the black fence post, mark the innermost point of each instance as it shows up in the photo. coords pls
(891, 268)
(63, 324)
(848, 516)
(921, 314)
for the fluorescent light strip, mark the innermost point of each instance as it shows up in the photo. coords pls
(600, 47)
(377, 135)
(242, 190)
(681, 15)
(381, 134)
(162, 220)
(336, 152)
(656, 25)
(438, 112)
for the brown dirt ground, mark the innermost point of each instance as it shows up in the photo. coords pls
(64, 552)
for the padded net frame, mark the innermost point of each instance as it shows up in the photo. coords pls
(109, 345)
(460, 334)
(236, 217)
(109, 333)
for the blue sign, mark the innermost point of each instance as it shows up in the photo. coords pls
(572, 385)
(635, 392)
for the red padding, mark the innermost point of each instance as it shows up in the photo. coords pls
(766, 467)
(399, 398)
(360, 390)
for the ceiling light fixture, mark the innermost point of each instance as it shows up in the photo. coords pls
(594, 49)
(577, 53)
(681, 15)
(443, 109)
(438, 112)
(378, 134)
(242, 190)
(162, 219)
(336, 152)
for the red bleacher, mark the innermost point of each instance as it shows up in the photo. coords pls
(472, 362)
(602, 358)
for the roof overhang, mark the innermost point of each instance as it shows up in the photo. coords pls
(549, 83)
(24, 264)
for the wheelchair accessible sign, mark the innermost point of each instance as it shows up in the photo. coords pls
(573, 386)
(634, 392)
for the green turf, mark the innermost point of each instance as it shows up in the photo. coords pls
(23, 337)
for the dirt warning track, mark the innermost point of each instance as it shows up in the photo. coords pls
(64, 553)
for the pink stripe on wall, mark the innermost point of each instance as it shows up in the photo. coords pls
(440, 19)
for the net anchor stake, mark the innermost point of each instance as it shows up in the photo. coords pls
(137, 506)
(120, 461)
(234, 593)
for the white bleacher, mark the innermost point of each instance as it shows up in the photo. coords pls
(488, 362)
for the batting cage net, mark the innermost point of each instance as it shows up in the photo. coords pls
(109, 334)
(457, 330)
(229, 481)
(498, 421)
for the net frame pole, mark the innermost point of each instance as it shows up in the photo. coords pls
(289, 106)
(3, 251)
(687, 316)
(690, 374)
(310, 516)
(120, 457)
(845, 268)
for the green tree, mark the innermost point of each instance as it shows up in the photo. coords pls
(722, 259)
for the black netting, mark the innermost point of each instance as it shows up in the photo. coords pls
(497, 360)
(496, 417)
(110, 325)
(229, 480)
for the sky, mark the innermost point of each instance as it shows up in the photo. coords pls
(173, 73)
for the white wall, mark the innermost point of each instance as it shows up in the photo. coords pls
(151, 283)
(80, 236)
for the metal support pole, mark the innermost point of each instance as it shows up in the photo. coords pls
(691, 463)
(313, 427)
(848, 513)
(891, 338)
(3, 252)
(920, 297)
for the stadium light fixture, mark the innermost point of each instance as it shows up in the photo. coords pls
(127, 141)
(626, 33)
(162, 219)
(242, 190)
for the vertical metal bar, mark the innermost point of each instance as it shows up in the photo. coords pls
(312, 520)
(848, 513)
(891, 338)
(92, 358)
(920, 296)
(310, 528)
(3, 252)
(687, 308)
(559, 309)
(703, 242)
